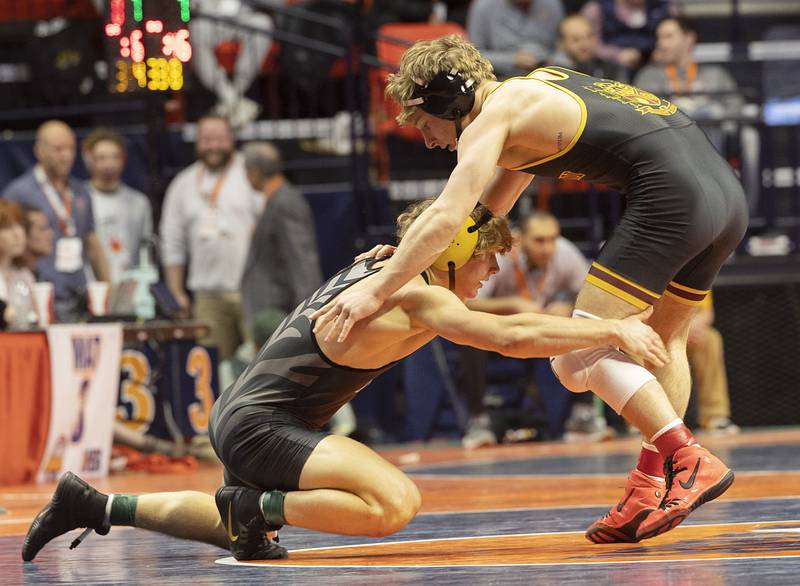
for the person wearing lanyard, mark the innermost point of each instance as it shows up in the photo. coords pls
(207, 222)
(68, 207)
(707, 92)
(123, 217)
(674, 72)
(543, 274)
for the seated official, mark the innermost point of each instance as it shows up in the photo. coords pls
(541, 275)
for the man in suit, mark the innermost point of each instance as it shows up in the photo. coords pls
(282, 266)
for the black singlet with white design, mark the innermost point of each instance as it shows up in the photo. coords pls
(291, 372)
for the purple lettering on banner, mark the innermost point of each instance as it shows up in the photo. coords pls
(91, 460)
(85, 352)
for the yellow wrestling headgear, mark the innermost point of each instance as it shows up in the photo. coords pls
(461, 248)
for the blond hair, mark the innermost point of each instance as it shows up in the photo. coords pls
(494, 236)
(425, 59)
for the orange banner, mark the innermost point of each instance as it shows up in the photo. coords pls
(24, 404)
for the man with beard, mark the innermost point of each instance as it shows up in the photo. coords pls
(38, 238)
(209, 214)
(122, 215)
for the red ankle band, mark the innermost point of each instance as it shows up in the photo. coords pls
(650, 463)
(673, 439)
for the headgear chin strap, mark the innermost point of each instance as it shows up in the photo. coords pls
(459, 130)
(461, 248)
(448, 96)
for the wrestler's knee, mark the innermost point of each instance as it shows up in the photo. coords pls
(608, 372)
(574, 368)
(398, 506)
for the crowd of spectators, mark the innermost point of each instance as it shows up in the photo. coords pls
(56, 228)
(236, 238)
(50, 187)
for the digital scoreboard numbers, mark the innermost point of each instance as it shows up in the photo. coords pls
(148, 44)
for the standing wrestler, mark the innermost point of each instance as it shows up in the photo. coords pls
(685, 214)
(279, 467)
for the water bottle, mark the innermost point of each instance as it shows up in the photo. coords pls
(145, 274)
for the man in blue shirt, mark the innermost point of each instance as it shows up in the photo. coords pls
(68, 207)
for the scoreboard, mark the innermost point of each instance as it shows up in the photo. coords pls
(148, 45)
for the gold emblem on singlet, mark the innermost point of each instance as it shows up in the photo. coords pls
(572, 176)
(641, 101)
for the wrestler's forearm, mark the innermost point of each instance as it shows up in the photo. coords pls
(420, 247)
(535, 335)
(425, 240)
(504, 190)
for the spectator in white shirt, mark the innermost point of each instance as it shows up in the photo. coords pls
(123, 218)
(207, 223)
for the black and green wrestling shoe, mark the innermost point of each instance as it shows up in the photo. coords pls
(75, 504)
(240, 510)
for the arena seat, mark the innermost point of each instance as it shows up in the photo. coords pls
(392, 41)
(14, 10)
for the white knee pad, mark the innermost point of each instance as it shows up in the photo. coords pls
(606, 371)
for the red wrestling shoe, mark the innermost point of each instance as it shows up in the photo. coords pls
(643, 494)
(694, 476)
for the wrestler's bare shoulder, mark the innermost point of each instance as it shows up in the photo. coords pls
(507, 96)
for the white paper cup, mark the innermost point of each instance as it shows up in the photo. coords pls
(98, 297)
(43, 294)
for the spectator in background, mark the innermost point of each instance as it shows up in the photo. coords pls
(282, 266)
(17, 309)
(207, 34)
(690, 85)
(514, 35)
(123, 218)
(38, 238)
(707, 93)
(706, 355)
(577, 44)
(207, 221)
(543, 274)
(68, 207)
(627, 28)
